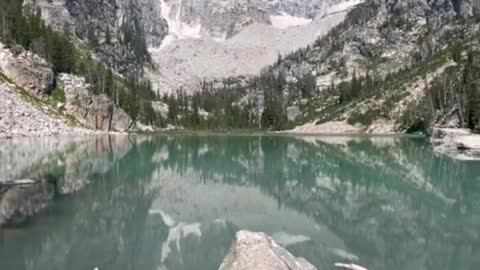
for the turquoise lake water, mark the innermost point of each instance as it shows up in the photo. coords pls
(175, 202)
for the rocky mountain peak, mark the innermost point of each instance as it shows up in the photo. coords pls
(218, 19)
(223, 19)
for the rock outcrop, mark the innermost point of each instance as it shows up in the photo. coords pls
(390, 33)
(26, 69)
(293, 113)
(93, 111)
(124, 20)
(251, 251)
(218, 19)
(213, 51)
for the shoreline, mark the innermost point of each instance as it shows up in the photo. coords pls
(89, 132)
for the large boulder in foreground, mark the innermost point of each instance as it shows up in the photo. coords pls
(258, 251)
(27, 70)
(93, 111)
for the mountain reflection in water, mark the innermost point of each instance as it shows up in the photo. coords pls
(175, 202)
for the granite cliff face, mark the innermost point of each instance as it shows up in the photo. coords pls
(215, 39)
(127, 22)
(223, 19)
(27, 109)
(93, 111)
(26, 70)
(392, 34)
(218, 19)
(185, 36)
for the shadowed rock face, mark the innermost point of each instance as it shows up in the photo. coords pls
(252, 251)
(98, 15)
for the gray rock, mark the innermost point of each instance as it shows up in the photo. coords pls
(218, 19)
(154, 25)
(93, 111)
(26, 70)
(254, 251)
(19, 118)
(383, 29)
(457, 143)
(293, 113)
(94, 18)
(449, 133)
(160, 108)
(18, 203)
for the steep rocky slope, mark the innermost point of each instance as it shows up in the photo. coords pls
(215, 39)
(131, 24)
(410, 40)
(19, 118)
(30, 106)
(386, 35)
(361, 65)
(178, 31)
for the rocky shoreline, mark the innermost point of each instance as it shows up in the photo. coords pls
(33, 102)
(457, 143)
(19, 118)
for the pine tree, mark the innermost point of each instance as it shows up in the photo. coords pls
(108, 36)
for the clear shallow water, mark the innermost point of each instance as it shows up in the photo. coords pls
(175, 202)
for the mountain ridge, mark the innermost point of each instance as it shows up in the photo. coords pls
(271, 65)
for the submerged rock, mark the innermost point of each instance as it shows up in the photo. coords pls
(252, 250)
(19, 202)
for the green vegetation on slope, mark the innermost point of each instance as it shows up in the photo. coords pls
(26, 28)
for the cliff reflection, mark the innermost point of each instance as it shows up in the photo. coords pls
(174, 202)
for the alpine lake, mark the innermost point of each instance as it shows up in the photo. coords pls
(145, 202)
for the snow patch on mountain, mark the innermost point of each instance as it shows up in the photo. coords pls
(201, 44)
(177, 29)
(286, 20)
